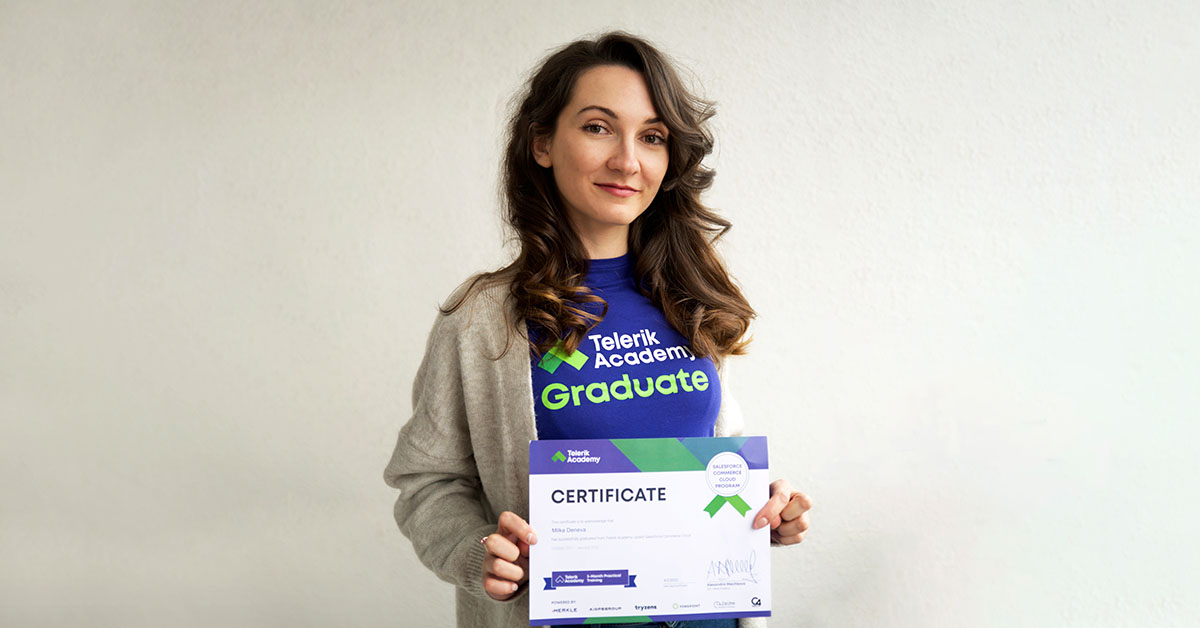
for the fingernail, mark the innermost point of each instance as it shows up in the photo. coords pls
(512, 587)
(531, 539)
(762, 521)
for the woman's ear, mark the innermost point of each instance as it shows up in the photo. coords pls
(541, 150)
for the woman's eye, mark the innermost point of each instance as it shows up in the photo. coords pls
(593, 128)
(656, 139)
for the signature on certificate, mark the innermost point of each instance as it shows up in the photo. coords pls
(732, 570)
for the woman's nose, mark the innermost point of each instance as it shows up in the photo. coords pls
(624, 157)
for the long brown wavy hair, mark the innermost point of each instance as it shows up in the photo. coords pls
(671, 242)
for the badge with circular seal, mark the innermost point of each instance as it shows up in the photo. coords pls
(727, 474)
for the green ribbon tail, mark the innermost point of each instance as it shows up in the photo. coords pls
(739, 504)
(736, 501)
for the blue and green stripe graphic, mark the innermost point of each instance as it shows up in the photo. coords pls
(672, 454)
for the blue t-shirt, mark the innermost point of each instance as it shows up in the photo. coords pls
(633, 375)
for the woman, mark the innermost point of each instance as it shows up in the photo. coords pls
(602, 178)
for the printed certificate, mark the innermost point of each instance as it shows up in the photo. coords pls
(648, 529)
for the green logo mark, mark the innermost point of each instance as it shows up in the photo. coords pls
(558, 456)
(557, 355)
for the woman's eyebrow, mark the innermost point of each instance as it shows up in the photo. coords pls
(610, 113)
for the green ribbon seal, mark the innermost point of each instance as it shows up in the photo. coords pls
(717, 502)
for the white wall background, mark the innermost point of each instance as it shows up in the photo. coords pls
(970, 230)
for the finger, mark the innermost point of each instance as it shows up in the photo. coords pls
(797, 505)
(498, 545)
(523, 563)
(511, 523)
(498, 589)
(522, 546)
(787, 540)
(793, 527)
(770, 511)
(503, 569)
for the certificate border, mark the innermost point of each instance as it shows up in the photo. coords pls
(563, 621)
(643, 455)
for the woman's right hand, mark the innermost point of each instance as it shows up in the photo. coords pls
(506, 564)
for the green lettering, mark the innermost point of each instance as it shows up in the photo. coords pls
(556, 396)
(560, 398)
(624, 383)
(602, 397)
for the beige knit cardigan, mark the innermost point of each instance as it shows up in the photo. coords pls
(462, 458)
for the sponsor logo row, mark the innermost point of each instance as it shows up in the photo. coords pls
(718, 604)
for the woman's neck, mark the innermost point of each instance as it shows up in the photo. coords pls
(606, 244)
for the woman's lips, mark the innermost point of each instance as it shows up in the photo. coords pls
(616, 191)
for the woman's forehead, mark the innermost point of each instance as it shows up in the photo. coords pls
(615, 91)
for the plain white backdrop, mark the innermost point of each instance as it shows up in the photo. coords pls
(970, 230)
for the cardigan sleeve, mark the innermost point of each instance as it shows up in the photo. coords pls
(441, 503)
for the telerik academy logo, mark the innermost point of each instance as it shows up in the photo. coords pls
(575, 455)
(557, 355)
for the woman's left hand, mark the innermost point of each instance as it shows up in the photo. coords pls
(786, 510)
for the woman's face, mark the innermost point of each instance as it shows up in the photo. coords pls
(608, 154)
